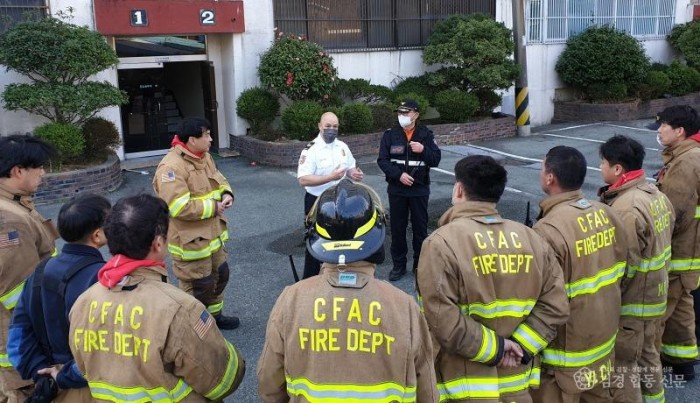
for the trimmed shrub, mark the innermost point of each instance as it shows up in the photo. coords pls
(300, 120)
(684, 79)
(352, 89)
(357, 118)
(422, 101)
(101, 137)
(607, 92)
(298, 69)
(477, 51)
(416, 85)
(66, 137)
(456, 106)
(655, 85)
(601, 55)
(488, 101)
(259, 107)
(686, 39)
(383, 117)
(378, 93)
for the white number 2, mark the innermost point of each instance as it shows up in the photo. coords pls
(207, 17)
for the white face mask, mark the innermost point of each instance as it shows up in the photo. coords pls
(404, 120)
(658, 140)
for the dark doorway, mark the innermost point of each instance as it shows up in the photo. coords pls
(159, 97)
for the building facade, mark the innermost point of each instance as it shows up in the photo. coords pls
(194, 57)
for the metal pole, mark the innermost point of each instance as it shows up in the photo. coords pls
(522, 110)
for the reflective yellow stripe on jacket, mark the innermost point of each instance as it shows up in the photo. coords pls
(382, 392)
(139, 394)
(208, 200)
(489, 346)
(681, 265)
(529, 338)
(9, 300)
(591, 285)
(487, 387)
(644, 310)
(654, 263)
(697, 212)
(574, 359)
(5, 361)
(678, 351)
(516, 308)
(229, 376)
(207, 251)
(657, 398)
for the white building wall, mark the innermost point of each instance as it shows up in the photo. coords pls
(236, 58)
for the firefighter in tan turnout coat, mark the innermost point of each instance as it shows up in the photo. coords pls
(197, 195)
(589, 243)
(25, 239)
(137, 338)
(344, 335)
(679, 179)
(648, 219)
(492, 292)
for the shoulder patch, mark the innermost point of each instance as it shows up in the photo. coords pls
(581, 204)
(302, 159)
(311, 143)
(489, 219)
(168, 176)
(9, 239)
(204, 323)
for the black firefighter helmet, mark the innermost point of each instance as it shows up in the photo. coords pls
(346, 224)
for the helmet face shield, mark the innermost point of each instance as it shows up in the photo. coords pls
(346, 224)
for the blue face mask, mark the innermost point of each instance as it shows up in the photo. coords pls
(329, 135)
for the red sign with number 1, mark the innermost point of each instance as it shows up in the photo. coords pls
(149, 17)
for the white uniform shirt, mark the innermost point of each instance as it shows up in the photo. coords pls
(322, 159)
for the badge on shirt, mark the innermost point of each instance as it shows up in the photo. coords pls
(347, 278)
(9, 239)
(302, 159)
(203, 324)
(397, 149)
(167, 177)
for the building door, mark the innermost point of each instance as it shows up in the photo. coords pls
(144, 117)
(210, 104)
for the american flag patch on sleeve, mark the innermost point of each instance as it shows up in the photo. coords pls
(167, 176)
(9, 239)
(203, 324)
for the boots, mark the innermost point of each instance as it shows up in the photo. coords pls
(396, 273)
(227, 322)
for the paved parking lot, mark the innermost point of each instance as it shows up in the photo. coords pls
(267, 216)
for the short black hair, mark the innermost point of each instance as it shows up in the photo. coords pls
(134, 223)
(624, 151)
(81, 216)
(192, 127)
(483, 178)
(25, 151)
(684, 116)
(568, 165)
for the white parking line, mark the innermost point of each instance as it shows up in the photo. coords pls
(631, 128)
(590, 140)
(453, 174)
(574, 127)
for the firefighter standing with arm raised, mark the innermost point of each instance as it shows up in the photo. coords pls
(492, 292)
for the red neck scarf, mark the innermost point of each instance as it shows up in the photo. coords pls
(177, 142)
(121, 266)
(627, 177)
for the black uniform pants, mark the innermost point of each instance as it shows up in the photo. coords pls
(696, 299)
(400, 207)
(311, 266)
